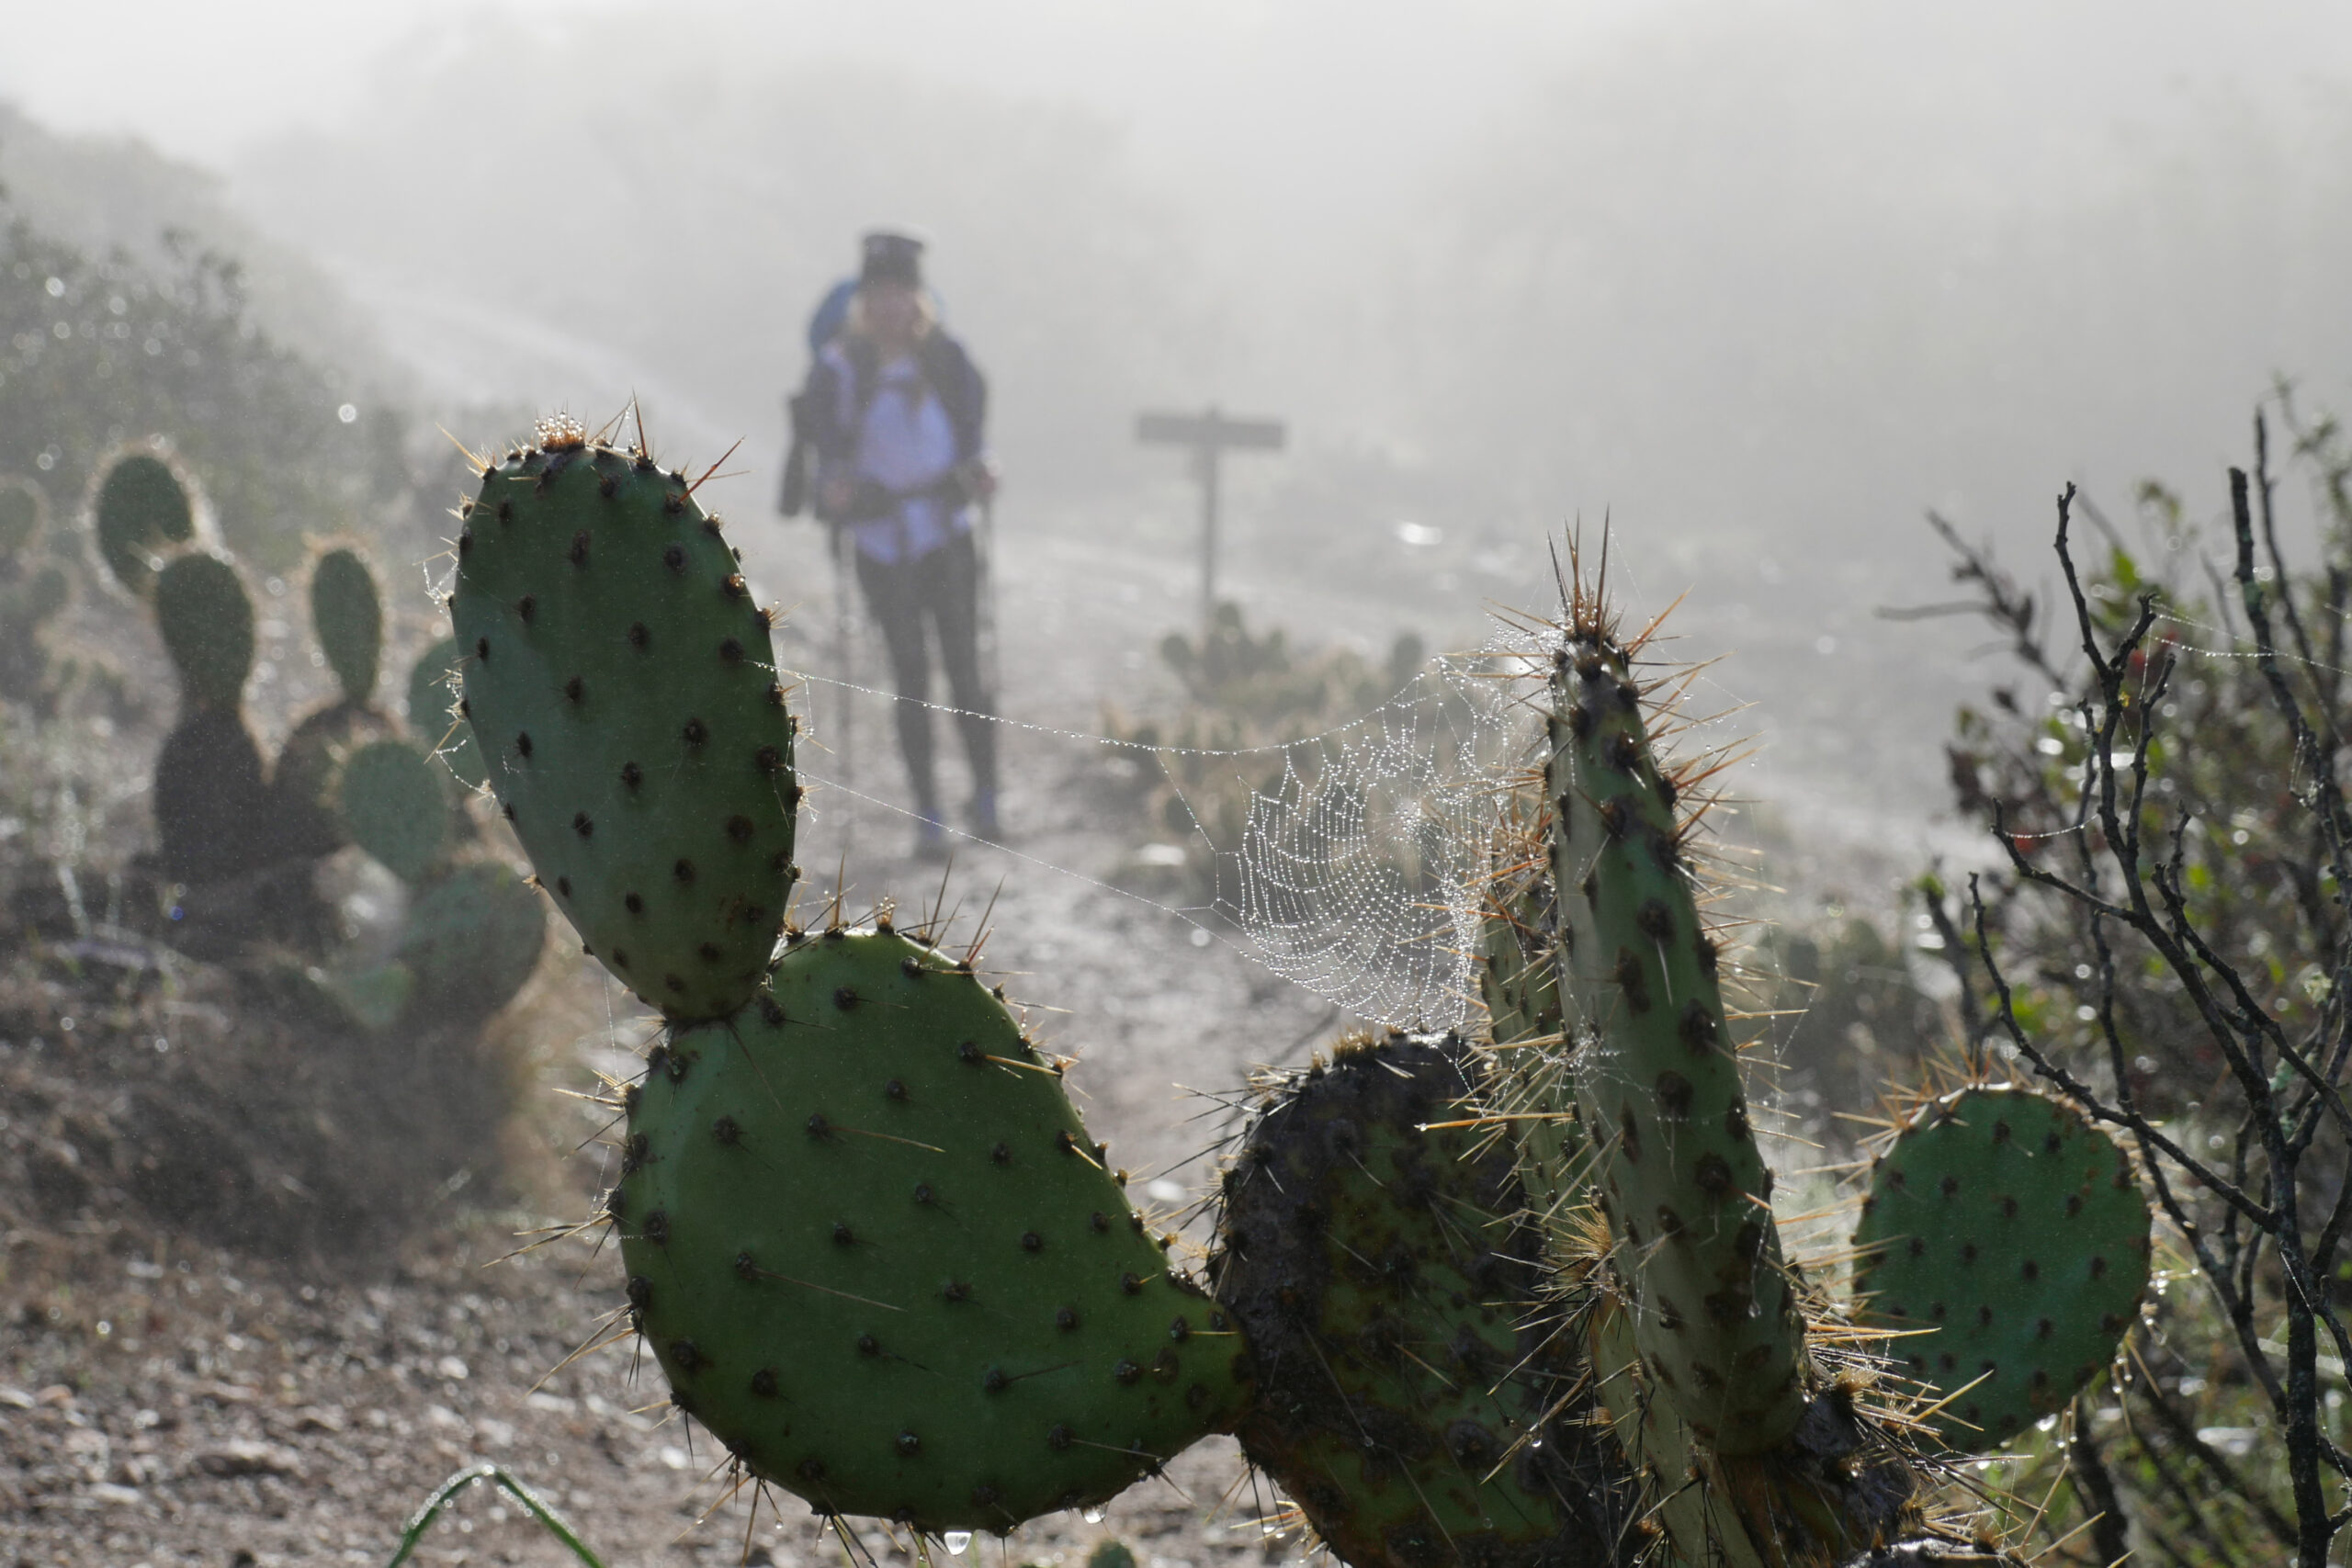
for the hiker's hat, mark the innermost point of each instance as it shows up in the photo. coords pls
(888, 256)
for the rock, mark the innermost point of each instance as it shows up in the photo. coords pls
(244, 1457)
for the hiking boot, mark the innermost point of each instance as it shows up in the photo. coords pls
(984, 822)
(930, 839)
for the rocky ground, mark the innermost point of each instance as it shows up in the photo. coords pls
(260, 1282)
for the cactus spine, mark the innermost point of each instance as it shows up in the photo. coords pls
(433, 715)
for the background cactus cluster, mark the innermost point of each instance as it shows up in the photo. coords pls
(1515, 1298)
(239, 835)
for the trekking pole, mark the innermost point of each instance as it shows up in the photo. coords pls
(844, 674)
(984, 595)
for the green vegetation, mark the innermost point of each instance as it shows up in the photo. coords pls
(95, 353)
(2165, 942)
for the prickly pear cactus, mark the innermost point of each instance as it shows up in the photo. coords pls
(871, 1245)
(432, 712)
(2016, 1235)
(1381, 1268)
(349, 619)
(621, 686)
(391, 805)
(208, 627)
(1680, 1176)
(473, 938)
(141, 515)
(210, 803)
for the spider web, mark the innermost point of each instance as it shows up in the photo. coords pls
(1358, 876)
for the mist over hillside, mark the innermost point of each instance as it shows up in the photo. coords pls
(104, 193)
(1756, 284)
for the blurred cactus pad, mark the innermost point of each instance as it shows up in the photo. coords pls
(23, 513)
(349, 619)
(141, 512)
(206, 621)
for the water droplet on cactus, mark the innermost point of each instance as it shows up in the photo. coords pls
(1093, 1516)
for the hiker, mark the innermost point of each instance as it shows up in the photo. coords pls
(893, 413)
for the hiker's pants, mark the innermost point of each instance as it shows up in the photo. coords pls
(939, 590)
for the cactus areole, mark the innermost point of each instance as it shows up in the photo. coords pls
(870, 1244)
(1677, 1173)
(623, 692)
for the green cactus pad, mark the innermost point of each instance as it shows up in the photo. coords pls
(208, 627)
(1519, 976)
(349, 620)
(622, 687)
(310, 767)
(1681, 1178)
(1412, 1399)
(1684, 1497)
(392, 805)
(2005, 1223)
(872, 1247)
(472, 940)
(141, 511)
(376, 998)
(432, 712)
(211, 807)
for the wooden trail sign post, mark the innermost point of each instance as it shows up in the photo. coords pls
(1210, 435)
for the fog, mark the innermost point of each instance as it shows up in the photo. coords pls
(1758, 284)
